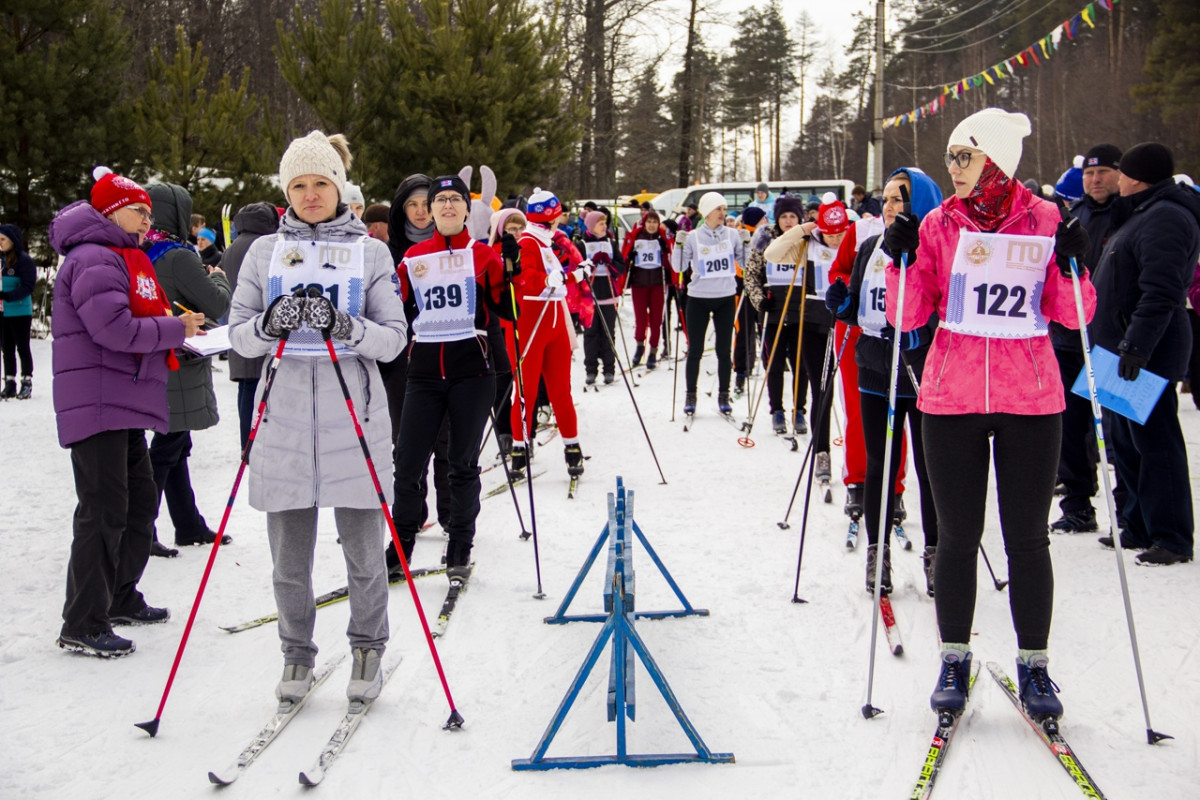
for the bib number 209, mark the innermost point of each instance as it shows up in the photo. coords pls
(1000, 295)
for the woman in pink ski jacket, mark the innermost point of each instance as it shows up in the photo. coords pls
(994, 263)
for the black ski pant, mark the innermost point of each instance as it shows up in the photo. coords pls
(696, 313)
(812, 364)
(1194, 359)
(874, 409)
(597, 344)
(1079, 455)
(14, 341)
(113, 528)
(783, 360)
(169, 458)
(1152, 464)
(1024, 449)
(465, 403)
(746, 342)
(247, 387)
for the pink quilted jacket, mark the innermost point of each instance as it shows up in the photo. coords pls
(975, 374)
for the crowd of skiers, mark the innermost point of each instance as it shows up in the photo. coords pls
(436, 319)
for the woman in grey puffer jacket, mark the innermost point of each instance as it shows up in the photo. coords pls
(306, 453)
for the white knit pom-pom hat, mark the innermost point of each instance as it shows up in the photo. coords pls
(998, 133)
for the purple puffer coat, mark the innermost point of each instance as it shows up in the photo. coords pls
(110, 368)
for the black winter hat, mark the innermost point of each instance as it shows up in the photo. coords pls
(1149, 162)
(752, 216)
(451, 182)
(785, 203)
(1103, 155)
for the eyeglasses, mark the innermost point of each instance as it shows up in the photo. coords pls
(452, 200)
(143, 213)
(962, 158)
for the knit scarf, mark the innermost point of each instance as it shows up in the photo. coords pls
(146, 297)
(991, 199)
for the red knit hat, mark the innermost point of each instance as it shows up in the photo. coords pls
(112, 192)
(831, 216)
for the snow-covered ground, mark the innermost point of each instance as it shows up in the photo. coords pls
(778, 684)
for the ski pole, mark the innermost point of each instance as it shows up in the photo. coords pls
(999, 584)
(675, 377)
(525, 533)
(625, 379)
(526, 426)
(797, 361)
(868, 710)
(784, 525)
(1152, 736)
(455, 720)
(151, 727)
(748, 425)
(621, 330)
(822, 409)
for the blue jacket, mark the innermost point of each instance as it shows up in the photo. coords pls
(17, 279)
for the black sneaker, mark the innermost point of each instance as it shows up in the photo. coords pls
(160, 550)
(101, 645)
(1107, 541)
(1158, 556)
(205, 537)
(149, 615)
(1075, 522)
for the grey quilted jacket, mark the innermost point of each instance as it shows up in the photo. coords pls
(306, 452)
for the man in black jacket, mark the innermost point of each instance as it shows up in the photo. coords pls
(1078, 459)
(1141, 283)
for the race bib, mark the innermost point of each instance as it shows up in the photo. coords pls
(779, 274)
(647, 253)
(822, 258)
(551, 263)
(714, 260)
(872, 295)
(595, 248)
(445, 289)
(996, 284)
(333, 268)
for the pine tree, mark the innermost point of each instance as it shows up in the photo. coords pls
(61, 69)
(221, 147)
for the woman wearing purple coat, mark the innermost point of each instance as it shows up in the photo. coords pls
(114, 340)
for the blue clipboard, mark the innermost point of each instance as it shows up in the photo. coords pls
(1133, 399)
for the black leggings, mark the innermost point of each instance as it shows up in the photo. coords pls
(1025, 451)
(14, 335)
(874, 410)
(696, 313)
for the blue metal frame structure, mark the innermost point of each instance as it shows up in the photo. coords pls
(627, 646)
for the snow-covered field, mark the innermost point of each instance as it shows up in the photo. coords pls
(778, 684)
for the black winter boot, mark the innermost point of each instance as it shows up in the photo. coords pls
(10, 389)
(26, 388)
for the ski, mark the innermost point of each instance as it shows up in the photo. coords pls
(272, 729)
(341, 734)
(1050, 736)
(902, 536)
(788, 439)
(890, 629)
(550, 438)
(517, 481)
(457, 587)
(331, 597)
(826, 491)
(572, 487)
(688, 421)
(852, 535)
(939, 745)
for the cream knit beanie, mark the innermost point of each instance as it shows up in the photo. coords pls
(998, 133)
(710, 201)
(316, 154)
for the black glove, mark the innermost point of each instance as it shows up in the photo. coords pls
(510, 251)
(1070, 241)
(320, 315)
(1130, 365)
(909, 340)
(902, 236)
(283, 315)
(837, 297)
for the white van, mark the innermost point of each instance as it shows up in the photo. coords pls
(740, 194)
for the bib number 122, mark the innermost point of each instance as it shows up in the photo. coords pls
(1000, 295)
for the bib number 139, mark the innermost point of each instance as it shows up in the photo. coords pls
(442, 296)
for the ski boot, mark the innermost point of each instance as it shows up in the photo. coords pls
(854, 510)
(609, 377)
(458, 562)
(723, 404)
(296, 681)
(887, 569)
(505, 443)
(651, 360)
(824, 474)
(520, 460)
(739, 384)
(574, 457)
(950, 695)
(1036, 689)
(638, 352)
(26, 388)
(366, 680)
(590, 380)
(10, 389)
(778, 423)
(899, 514)
(800, 424)
(927, 564)
(689, 403)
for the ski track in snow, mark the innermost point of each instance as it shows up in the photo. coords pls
(778, 684)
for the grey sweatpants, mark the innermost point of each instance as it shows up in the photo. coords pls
(293, 538)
